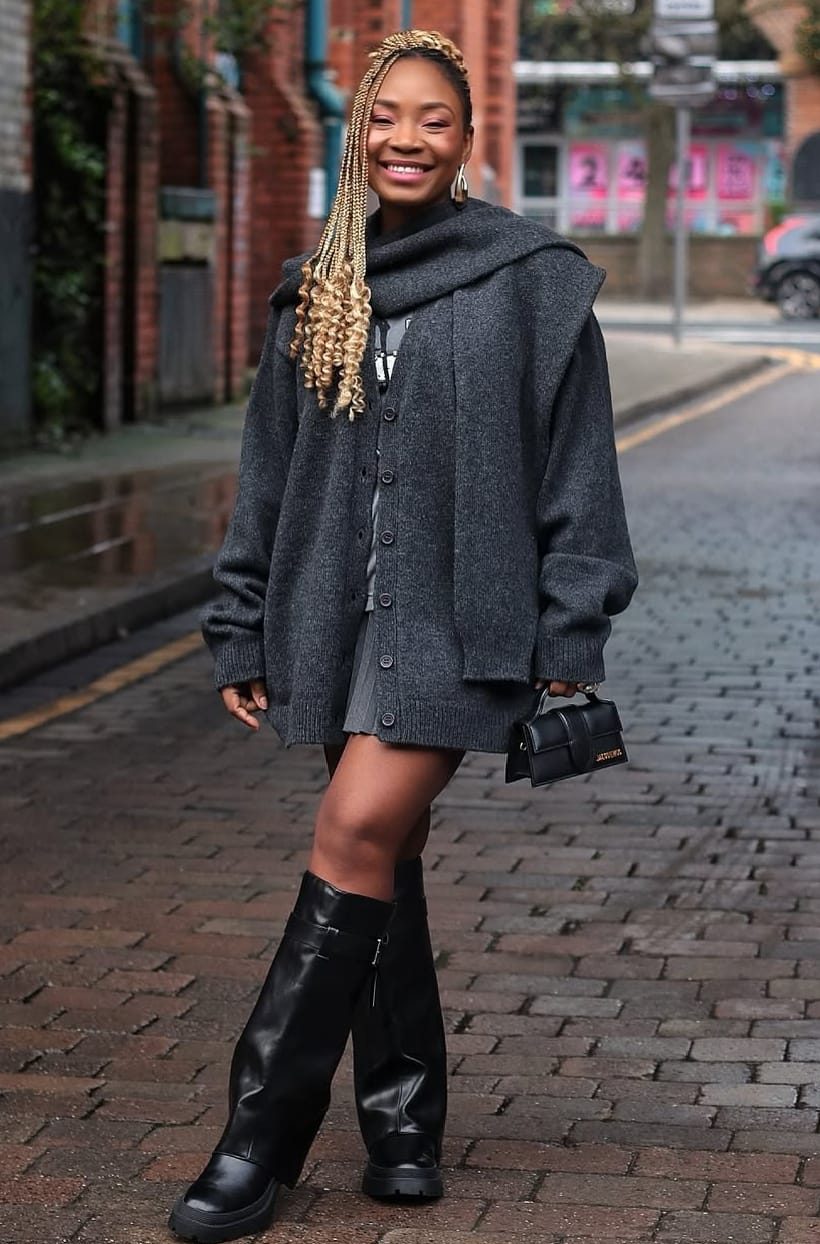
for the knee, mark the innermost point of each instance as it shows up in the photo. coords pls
(353, 835)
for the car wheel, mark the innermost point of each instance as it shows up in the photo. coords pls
(798, 296)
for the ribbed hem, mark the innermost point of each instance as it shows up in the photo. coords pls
(569, 659)
(425, 723)
(239, 662)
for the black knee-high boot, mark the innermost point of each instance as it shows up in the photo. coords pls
(284, 1061)
(400, 1060)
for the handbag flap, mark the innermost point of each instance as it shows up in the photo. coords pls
(574, 726)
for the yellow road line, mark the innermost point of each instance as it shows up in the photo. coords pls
(803, 360)
(113, 681)
(667, 422)
(153, 662)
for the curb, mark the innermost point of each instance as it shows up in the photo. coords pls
(192, 582)
(688, 393)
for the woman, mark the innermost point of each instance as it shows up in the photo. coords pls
(396, 580)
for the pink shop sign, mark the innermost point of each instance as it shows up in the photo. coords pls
(736, 171)
(588, 170)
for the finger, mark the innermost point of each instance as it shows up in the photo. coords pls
(230, 698)
(244, 715)
(562, 688)
(258, 693)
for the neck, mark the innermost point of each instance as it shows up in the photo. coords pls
(394, 217)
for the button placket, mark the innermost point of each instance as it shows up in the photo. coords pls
(385, 619)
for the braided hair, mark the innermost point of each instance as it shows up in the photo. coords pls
(333, 310)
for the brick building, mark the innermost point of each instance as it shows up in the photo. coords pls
(778, 22)
(286, 131)
(177, 259)
(15, 219)
(218, 168)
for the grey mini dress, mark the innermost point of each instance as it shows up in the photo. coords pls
(361, 708)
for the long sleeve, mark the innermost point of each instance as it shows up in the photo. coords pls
(587, 570)
(232, 623)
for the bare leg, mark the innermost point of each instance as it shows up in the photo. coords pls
(416, 840)
(373, 809)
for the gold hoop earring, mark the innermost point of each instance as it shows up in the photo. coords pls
(462, 191)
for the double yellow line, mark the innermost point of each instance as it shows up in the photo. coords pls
(150, 664)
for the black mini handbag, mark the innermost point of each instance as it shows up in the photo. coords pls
(563, 742)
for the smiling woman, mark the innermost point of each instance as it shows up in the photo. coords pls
(415, 149)
(395, 583)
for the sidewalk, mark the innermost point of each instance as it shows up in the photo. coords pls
(122, 532)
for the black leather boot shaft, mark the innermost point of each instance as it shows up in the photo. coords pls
(400, 1058)
(286, 1057)
(284, 1061)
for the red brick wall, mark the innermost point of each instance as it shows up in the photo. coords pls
(802, 110)
(146, 319)
(130, 281)
(228, 122)
(286, 142)
(114, 259)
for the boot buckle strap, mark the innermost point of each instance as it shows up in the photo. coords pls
(330, 942)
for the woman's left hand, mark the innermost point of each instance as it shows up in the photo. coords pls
(557, 687)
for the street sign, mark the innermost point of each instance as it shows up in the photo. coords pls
(684, 10)
(683, 54)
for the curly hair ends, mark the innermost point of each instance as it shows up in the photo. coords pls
(333, 308)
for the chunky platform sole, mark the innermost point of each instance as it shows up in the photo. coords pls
(204, 1228)
(386, 1183)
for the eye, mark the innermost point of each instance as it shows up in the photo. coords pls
(439, 125)
(380, 120)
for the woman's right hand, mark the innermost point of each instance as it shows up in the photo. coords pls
(244, 699)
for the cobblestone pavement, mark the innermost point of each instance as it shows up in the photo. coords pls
(630, 965)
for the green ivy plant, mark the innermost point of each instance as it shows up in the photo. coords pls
(807, 36)
(70, 102)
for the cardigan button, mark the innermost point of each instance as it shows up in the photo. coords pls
(387, 537)
(386, 661)
(385, 600)
(388, 719)
(387, 477)
(390, 413)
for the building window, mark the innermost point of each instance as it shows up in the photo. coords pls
(540, 170)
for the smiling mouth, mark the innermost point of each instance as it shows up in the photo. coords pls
(395, 166)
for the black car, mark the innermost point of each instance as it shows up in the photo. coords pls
(788, 267)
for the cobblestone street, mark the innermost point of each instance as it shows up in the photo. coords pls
(630, 965)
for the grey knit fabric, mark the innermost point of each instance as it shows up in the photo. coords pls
(503, 547)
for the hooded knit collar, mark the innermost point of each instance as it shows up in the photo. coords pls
(446, 248)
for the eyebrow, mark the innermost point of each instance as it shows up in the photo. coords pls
(435, 103)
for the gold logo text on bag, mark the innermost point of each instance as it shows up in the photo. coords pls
(616, 751)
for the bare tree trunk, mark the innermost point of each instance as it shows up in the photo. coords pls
(653, 251)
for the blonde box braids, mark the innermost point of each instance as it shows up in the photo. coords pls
(333, 310)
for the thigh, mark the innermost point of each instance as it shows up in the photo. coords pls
(386, 784)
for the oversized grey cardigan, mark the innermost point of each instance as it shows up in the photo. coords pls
(503, 543)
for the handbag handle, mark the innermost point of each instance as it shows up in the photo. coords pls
(543, 697)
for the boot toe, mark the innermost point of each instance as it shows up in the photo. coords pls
(232, 1197)
(403, 1165)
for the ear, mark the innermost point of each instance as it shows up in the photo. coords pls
(467, 149)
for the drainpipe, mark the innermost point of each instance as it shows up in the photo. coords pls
(406, 14)
(330, 100)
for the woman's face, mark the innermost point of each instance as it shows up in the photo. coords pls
(416, 138)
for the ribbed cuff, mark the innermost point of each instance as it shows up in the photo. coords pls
(569, 659)
(239, 661)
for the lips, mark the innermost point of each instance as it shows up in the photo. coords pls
(404, 174)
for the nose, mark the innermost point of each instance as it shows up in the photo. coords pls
(405, 136)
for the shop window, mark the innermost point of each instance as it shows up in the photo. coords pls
(540, 170)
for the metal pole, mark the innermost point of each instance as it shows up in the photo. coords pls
(683, 117)
(406, 14)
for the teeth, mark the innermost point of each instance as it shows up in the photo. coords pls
(405, 168)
